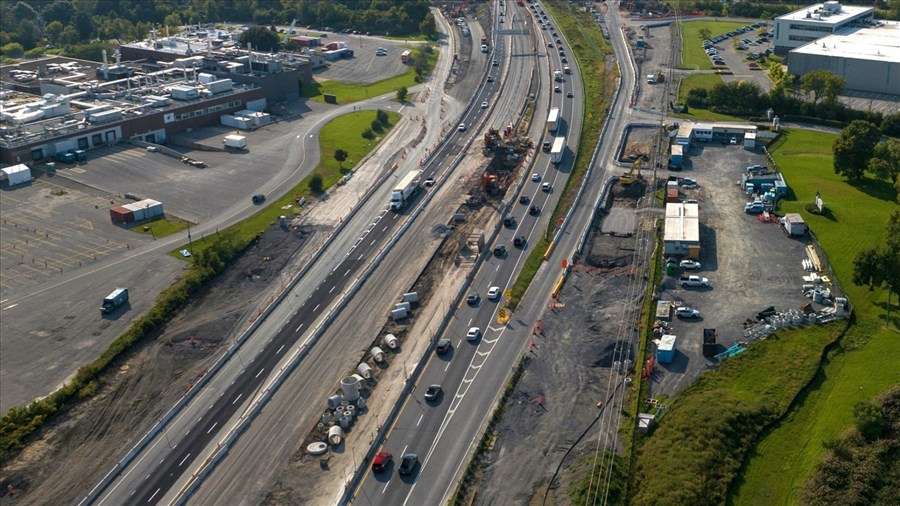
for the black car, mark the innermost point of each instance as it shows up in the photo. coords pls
(519, 241)
(546, 147)
(473, 298)
(259, 198)
(524, 200)
(509, 221)
(408, 464)
(534, 210)
(500, 251)
(443, 346)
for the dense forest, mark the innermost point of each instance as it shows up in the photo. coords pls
(32, 27)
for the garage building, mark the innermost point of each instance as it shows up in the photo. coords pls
(17, 174)
(682, 234)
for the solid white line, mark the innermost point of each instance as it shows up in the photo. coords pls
(10, 307)
(185, 458)
(239, 396)
(212, 427)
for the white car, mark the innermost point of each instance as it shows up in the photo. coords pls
(686, 312)
(484, 104)
(690, 264)
(546, 187)
(535, 177)
(473, 334)
(461, 127)
(494, 293)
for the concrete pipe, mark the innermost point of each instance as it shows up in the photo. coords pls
(344, 421)
(627, 382)
(335, 435)
(349, 390)
(364, 370)
(403, 305)
(411, 297)
(326, 418)
(391, 341)
(351, 410)
(377, 354)
(317, 448)
(361, 403)
(334, 401)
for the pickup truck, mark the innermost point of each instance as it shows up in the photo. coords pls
(694, 281)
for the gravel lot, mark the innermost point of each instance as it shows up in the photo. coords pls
(750, 265)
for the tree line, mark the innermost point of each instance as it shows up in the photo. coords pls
(31, 27)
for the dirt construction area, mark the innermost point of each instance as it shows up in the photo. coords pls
(570, 367)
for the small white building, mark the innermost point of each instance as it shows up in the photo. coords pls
(17, 174)
(682, 233)
(793, 224)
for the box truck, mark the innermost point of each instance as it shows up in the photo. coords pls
(404, 191)
(553, 119)
(235, 141)
(114, 300)
(558, 150)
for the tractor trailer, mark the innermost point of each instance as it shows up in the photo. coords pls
(404, 191)
(553, 119)
(558, 150)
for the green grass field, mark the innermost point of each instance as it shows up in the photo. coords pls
(348, 93)
(343, 132)
(692, 54)
(866, 361)
(694, 81)
(162, 227)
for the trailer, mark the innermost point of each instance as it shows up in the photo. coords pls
(406, 56)
(405, 190)
(235, 141)
(558, 150)
(553, 119)
(114, 300)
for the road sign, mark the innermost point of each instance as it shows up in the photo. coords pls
(507, 293)
(503, 316)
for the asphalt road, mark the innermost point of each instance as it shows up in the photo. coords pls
(442, 433)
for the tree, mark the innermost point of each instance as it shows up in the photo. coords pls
(382, 116)
(704, 34)
(853, 149)
(316, 184)
(402, 93)
(340, 155)
(54, 31)
(61, 10)
(890, 125)
(173, 20)
(27, 34)
(885, 161)
(12, 50)
(428, 28)
(822, 83)
(84, 25)
(880, 265)
(261, 38)
(869, 420)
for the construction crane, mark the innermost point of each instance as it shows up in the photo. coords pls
(633, 174)
(291, 30)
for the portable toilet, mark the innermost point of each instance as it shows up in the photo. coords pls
(665, 352)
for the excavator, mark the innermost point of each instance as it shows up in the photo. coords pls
(633, 174)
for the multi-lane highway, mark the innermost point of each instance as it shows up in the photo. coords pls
(441, 433)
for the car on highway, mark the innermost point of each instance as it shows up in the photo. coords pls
(484, 104)
(546, 187)
(569, 94)
(549, 44)
(382, 460)
(519, 241)
(429, 181)
(546, 147)
(473, 334)
(259, 198)
(524, 199)
(499, 251)
(535, 177)
(564, 60)
(686, 312)
(473, 298)
(490, 79)
(432, 393)
(496, 63)
(494, 293)
(557, 89)
(408, 464)
(534, 210)
(443, 346)
(461, 127)
(689, 264)
(509, 221)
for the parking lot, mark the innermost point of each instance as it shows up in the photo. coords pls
(736, 59)
(366, 67)
(750, 265)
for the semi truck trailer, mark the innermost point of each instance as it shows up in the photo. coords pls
(558, 150)
(553, 119)
(405, 190)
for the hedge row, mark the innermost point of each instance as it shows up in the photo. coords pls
(18, 424)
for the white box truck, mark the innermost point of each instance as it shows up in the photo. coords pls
(235, 141)
(553, 119)
(558, 150)
(404, 191)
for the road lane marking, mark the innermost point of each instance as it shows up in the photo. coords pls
(10, 307)
(239, 396)
(348, 272)
(384, 229)
(316, 308)
(385, 486)
(470, 321)
(154, 495)
(417, 423)
(212, 427)
(332, 289)
(360, 256)
(182, 460)
(370, 244)
(448, 366)
(299, 327)
(4, 300)
(260, 372)
(279, 349)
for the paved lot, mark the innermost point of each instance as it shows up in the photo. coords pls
(739, 64)
(54, 226)
(867, 101)
(365, 67)
(750, 265)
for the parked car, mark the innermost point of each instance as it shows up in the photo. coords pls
(408, 464)
(694, 281)
(382, 460)
(754, 208)
(686, 312)
(689, 264)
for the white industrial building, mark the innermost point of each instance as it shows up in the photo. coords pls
(16, 175)
(868, 57)
(811, 23)
(742, 133)
(682, 233)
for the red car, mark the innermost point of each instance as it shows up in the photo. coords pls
(382, 461)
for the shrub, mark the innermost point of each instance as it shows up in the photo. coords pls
(316, 184)
(368, 134)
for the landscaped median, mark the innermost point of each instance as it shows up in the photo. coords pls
(211, 256)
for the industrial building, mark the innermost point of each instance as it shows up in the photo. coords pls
(682, 232)
(811, 23)
(741, 133)
(868, 57)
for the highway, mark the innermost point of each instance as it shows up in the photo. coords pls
(165, 461)
(442, 433)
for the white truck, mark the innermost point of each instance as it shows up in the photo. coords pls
(404, 191)
(235, 141)
(558, 150)
(553, 119)
(694, 281)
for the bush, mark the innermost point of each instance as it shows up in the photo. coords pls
(368, 134)
(316, 184)
(376, 126)
(382, 117)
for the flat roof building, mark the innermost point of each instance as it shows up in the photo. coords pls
(811, 23)
(868, 57)
(682, 233)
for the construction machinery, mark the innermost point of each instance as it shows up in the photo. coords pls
(633, 174)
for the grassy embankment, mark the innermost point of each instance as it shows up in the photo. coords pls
(711, 427)
(162, 227)
(590, 52)
(347, 93)
(210, 259)
(865, 362)
(343, 132)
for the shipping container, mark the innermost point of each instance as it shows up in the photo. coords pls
(120, 214)
(137, 211)
(665, 352)
(710, 344)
